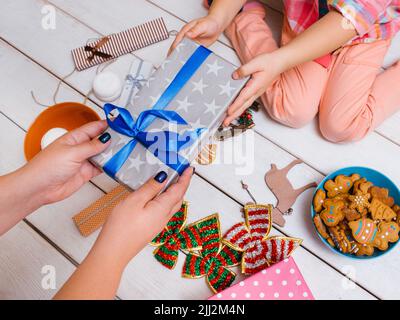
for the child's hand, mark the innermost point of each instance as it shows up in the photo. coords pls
(263, 69)
(204, 31)
(63, 167)
(139, 218)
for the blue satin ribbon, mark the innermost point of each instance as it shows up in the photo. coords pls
(165, 145)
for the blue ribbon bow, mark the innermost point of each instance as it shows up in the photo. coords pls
(165, 145)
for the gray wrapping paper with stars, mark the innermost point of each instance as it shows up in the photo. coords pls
(202, 102)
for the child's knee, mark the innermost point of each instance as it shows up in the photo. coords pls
(294, 116)
(302, 118)
(337, 131)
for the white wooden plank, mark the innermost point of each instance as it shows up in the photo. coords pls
(55, 221)
(26, 110)
(192, 9)
(23, 253)
(25, 260)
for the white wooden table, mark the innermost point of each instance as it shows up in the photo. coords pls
(32, 58)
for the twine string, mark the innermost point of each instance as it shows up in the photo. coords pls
(100, 68)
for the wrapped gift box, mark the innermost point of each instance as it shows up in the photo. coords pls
(193, 84)
(282, 281)
(140, 71)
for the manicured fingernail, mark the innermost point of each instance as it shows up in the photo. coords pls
(105, 137)
(161, 177)
(235, 76)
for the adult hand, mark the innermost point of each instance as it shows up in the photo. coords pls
(129, 228)
(140, 217)
(63, 167)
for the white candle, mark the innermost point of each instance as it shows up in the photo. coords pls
(51, 136)
(107, 86)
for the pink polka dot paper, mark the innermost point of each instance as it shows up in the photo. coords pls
(282, 281)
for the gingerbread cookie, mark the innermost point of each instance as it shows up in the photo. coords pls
(341, 184)
(362, 185)
(340, 239)
(343, 197)
(318, 200)
(380, 211)
(382, 194)
(387, 232)
(366, 232)
(396, 209)
(359, 201)
(355, 216)
(352, 214)
(364, 249)
(363, 230)
(320, 226)
(333, 212)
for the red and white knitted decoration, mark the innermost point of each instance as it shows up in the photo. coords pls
(251, 238)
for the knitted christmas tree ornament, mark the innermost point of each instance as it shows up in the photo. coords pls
(175, 237)
(214, 259)
(246, 119)
(251, 238)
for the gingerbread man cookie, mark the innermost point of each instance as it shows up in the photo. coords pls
(387, 232)
(341, 184)
(359, 201)
(318, 201)
(333, 212)
(380, 211)
(364, 249)
(362, 185)
(382, 194)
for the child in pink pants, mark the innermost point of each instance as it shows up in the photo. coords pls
(345, 86)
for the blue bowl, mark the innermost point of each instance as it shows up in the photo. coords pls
(379, 180)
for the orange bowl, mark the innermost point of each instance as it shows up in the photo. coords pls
(67, 115)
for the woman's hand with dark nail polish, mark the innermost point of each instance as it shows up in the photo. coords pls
(63, 167)
(105, 137)
(139, 218)
(161, 177)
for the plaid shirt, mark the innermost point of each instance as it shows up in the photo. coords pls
(373, 19)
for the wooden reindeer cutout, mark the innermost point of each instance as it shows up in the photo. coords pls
(276, 179)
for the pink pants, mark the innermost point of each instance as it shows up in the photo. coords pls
(352, 96)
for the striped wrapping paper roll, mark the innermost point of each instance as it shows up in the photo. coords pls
(121, 43)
